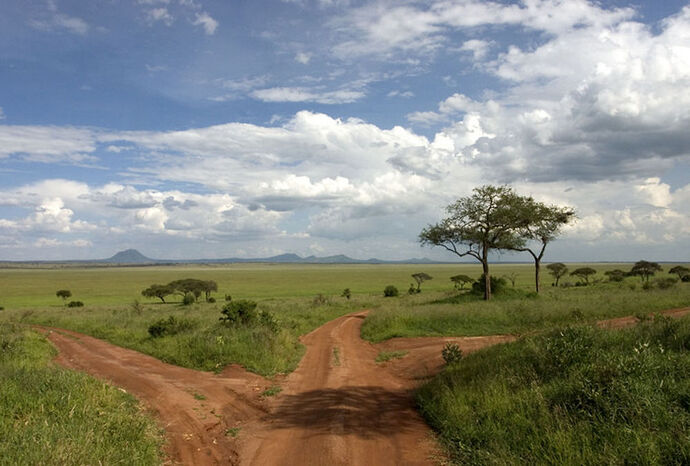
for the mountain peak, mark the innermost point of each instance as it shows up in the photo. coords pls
(129, 256)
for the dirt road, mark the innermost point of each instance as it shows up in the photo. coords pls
(338, 407)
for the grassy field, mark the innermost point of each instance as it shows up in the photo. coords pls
(578, 395)
(50, 415)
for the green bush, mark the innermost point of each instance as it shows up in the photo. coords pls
(498, 285)
(211, 300)
(451, 353)
(75, 304)
(170, 326)
(346, 293)
(268, 320)
(241, 312)
(665, 283)
(188, 299)
(390, 291)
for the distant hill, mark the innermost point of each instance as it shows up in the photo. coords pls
(129, 256)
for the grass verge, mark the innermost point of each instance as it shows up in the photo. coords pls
(579, 395)
(50, 415)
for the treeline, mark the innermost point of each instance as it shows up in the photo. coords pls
(190, 289)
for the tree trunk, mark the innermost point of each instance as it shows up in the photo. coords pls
(487, 277)
(537, 265)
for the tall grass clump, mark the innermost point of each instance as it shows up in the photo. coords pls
(50, 415)
(578, 395)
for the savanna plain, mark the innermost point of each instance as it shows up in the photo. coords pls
(565, 391)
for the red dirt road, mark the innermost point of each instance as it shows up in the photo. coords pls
(339, 407)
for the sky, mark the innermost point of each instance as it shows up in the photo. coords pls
(249, 128)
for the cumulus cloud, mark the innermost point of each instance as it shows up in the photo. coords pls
(53, 20)
(159, 15)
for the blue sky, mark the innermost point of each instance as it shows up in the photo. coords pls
(189, 129)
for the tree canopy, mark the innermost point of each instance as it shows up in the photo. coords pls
(645, 269)
(557, 270)
(679, 270)
(420, 278)
(584, 273)
(459, 281)
(487, 220)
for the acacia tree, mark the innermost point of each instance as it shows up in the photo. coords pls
(487, 220)
(679, 270)
(541, 224)
(645, 269)
(64, 294)
(584, 273)
(557, 270)
(158, 291)
(459, 281)
(420, 278)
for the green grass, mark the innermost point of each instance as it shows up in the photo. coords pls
(465, 315)
(50, 415)
(385, 356)
(273, 390)
(578, 395)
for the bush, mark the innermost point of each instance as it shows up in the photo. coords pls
(686, 278)
(319, 300)
(75, 304)
(390, 291)
(228, 298)
(188, 299)
(239, 312)
(170, 326)
(269, 321)
(346, 293)
(2, 308)
(211, 299)
(665, 283)
(498, 285)
(451, 353)
(412, 289)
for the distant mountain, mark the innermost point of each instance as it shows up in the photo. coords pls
(130, 256)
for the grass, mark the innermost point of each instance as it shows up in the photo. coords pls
(233, 431)
(50, 415)
(577, 395)
(385, 356)
(455, 314)
(273, 390)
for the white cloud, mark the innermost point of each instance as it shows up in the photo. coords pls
(303, 57)
(302, 94)
(159, 15)
(205, 20)
(61, 22)
(47, 143)
(478, 48)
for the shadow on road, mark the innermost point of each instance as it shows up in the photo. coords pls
(362, 411)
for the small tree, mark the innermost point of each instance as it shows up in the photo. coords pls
(64, 294)
(541, 224)
(420, 278)
(557, 270)
(239, 312)
(616, 275)
(583, 273)
(459, 281)
(512, 276)
(679, 270)
(645, 269)
(390, 291)
(158, 291)
(347, 294)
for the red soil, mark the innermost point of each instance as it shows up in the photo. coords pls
(338, 407)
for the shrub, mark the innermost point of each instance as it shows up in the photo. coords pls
(239, 312)
(412, 289)
(346, 293)
(269, 321)
(188, 299)
(2, 308)
(211, 299)
(686, 278)
(665, 283)
(228, 298)
(170, 326)
(75, 304)
(319, 300)
(498, 285)
(451, 353)
(390, 291)
(64, 294)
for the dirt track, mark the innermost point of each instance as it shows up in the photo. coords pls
(338, 407)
